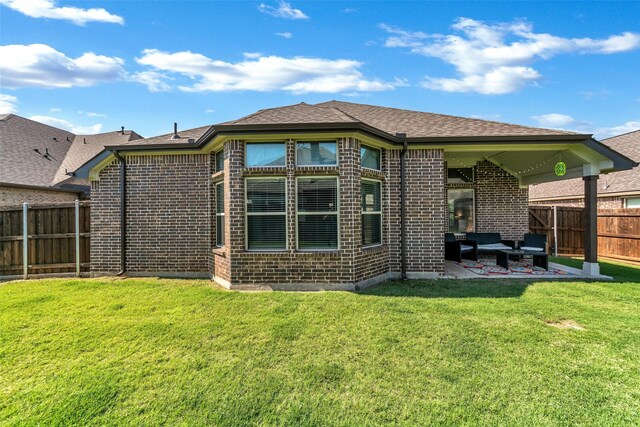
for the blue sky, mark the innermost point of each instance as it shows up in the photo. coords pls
(94, 66)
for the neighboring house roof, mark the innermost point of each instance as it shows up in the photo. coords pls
(57, 150)
(623, 182)
(183, 137)
(415, 124)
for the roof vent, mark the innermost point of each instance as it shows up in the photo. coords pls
(122, 130)
(401, 135)
(175, 131)
(191, 141)
(84, 140)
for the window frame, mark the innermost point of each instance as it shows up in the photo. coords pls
(369, 147)
(311, 142)
(218, 214)
(626, 202)
(216, 154)
(473, 208)
(372, 245)
(247, 214)
(284, 144)
(337, 213)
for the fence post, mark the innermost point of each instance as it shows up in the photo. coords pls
(555, 230)
(25, 241)
(77, 238)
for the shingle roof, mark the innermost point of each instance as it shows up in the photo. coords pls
(615, 182)
(184, 137)
(21, 164)
(415, 124)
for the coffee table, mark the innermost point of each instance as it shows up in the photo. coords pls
(540, 259)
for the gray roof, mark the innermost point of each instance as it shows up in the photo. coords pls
(21, 164)
(616, 182)
(415, 124)
(183, 137)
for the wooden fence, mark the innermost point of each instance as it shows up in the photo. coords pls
(618, 230)
(51, 243)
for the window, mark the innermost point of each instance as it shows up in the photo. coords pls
(632, 202)
(317, 201)
(219, 158)
(459, 175)
(265, 154)
(369, 157)
(220, 214)
(266, 214)
(371, 201)
(461, 207)
(316, 153)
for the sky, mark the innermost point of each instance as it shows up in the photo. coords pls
(94, 66)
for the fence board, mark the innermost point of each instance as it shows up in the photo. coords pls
(51, 243)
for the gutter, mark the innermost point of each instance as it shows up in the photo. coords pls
(403, 202)
(123, 213)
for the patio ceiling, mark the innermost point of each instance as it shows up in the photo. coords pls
(535, 163)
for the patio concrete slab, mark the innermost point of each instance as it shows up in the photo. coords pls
(453, 270)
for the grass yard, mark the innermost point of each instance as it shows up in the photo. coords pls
(145, 351)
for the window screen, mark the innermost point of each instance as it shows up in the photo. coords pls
(317, 201)
(371, 202)
(220, 214)
(266, 214)
(369, 157)
(265, 154)
(316, 153)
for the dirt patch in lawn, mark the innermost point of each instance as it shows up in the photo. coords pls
(565, 324)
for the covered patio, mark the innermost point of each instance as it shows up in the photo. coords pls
(543, 159)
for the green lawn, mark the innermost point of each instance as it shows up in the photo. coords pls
(149, 352)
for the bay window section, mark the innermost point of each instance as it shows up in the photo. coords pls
(266, 211)
(371, 203)
(370, 157)
(220, 214)
(317, 213)
(316, 153)
(267, 154)
(461, 210)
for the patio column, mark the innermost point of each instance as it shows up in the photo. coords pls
(590, 266)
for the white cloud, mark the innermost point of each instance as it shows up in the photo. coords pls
(494, 116)
(39, 65)
(349, 10)
(8, 104)
(496, 58)
(48, 9)
(209, 110)
(284, 10)
(263, 74)
(252, 55)
(55, 110)
(563, 122)
(607, 132)
(64, 124)
(153, 80)
(91, 114)
(286, 35)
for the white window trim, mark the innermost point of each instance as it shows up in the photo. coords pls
(247, 143)
(247, 214)
(372, 245)
(295, 150)
(369, 147)
(219, 214)
(336, 213)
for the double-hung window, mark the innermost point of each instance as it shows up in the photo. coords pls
(266, 209)
(220, 213)
(371, 202)
(317, 213)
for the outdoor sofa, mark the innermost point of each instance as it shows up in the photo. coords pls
(490, 242)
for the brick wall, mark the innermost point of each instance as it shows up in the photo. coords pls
(10, 196)
(168, 216)
(105, 222)
(501, 205)
(425, 210)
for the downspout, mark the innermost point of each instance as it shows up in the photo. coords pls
(123, 213)
(403, 249)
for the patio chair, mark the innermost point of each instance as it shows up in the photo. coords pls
(456, 250)
(534, 242)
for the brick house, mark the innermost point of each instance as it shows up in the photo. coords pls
(328, 196)
(36, 161)
(615, 190)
